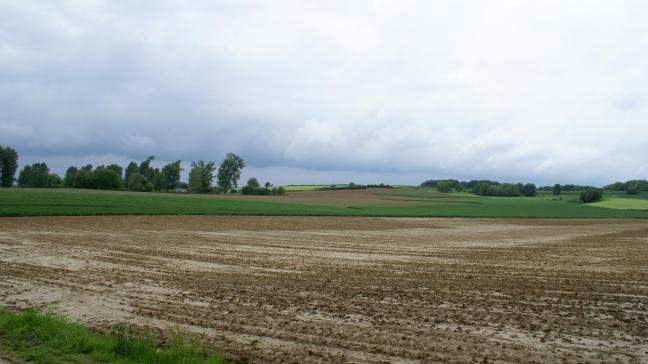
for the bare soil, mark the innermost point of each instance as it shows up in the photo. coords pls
(310, 290)
(343, 198)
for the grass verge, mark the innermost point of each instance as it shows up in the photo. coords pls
(49, 338)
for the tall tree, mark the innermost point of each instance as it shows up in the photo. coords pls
(106, 178)
(230, 172)
(201, 176)
(85, 177)
(556, 189)
(70, 179)
(34, 176)
(40, 175)
(172, 173)
(160, 180)
(118, 169)
(25, 176)
(131, 169)
(145, 168)
(8, 166)
(528, 190)
(253, 183)
(195, 186)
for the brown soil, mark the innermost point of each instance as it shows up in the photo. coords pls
(299, 289)
(345, 198)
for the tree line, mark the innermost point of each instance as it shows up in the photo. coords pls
(564, 188)
(140, 177)
(631, 187)
(483, 187)
(253, 187)
(587, 194)
(8, 166)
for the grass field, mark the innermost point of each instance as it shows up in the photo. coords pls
(411, 202)
(47, 338)
(623, 203)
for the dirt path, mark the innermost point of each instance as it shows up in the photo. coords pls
(298, 289)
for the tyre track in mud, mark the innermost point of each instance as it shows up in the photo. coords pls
(314, 289)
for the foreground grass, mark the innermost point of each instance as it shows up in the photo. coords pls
(33, 202)
(48, 338)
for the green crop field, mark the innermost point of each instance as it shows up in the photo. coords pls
(420, 203)
(25, 202)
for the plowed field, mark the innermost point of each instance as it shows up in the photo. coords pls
(299, 289)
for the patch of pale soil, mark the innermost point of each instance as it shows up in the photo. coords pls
(91, 307)
(357, 290)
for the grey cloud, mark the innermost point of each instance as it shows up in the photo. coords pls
(517, 91)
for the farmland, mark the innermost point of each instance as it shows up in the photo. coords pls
(332, 289)
(402, 202)
(294, 188)
(616, 200)
(334, 276)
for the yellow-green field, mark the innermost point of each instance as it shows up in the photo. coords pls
(623, 203)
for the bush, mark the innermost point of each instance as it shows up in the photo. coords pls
(54, 181)
(253, 189)
(591, 195)
(34, 176)
(278, 191)
(106, 179)
(160, 181)
(254, 183)
(85, 177)
(444, 186)
(499, 190)
(250, 190)
(528, 190)
(381, 185)
(336, 188)
(137, 182)
(633, 187)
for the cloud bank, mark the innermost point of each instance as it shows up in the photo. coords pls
(511, 90)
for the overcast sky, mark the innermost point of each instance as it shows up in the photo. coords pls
(332, 91)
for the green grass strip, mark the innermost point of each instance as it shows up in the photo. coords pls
(33, 202)
(49, 338)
